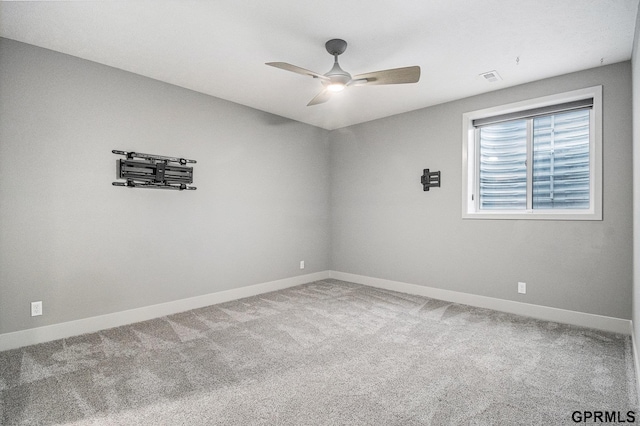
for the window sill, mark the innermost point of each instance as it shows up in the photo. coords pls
(531, 215)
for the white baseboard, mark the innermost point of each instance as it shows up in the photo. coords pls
(90, 325)
(636, 364)
(615, 325)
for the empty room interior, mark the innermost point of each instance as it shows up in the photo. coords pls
(345, 212)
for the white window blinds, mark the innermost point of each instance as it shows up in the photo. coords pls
(535, 159)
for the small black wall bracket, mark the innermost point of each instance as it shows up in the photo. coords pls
(430, 179)
(154, 171)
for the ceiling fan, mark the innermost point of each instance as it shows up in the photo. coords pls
(337, 79)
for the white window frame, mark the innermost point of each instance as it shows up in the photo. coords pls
(470, 200)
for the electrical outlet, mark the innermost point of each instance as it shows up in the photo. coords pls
(36, 309)
(302, 264)
(522, 288)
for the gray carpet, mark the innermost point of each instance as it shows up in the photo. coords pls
(328, 352)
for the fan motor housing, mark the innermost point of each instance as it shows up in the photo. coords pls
(338, 75)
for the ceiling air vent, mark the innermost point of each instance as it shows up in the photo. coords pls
(491, 76)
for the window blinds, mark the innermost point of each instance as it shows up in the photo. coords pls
(559, 144)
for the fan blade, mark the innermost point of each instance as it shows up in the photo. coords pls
(298, 70)
(392, 76)
(320, 98)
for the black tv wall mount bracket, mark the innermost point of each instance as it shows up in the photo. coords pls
(430, 179)
(154, 171)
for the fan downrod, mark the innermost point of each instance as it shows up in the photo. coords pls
(336, 46)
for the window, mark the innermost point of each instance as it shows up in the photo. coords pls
(538, 159)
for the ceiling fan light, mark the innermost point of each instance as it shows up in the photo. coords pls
(336, 87)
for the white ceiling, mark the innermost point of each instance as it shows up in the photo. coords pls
(220, 47)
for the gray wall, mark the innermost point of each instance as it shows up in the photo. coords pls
(85, 248)
(385, 226)
(635, 66)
